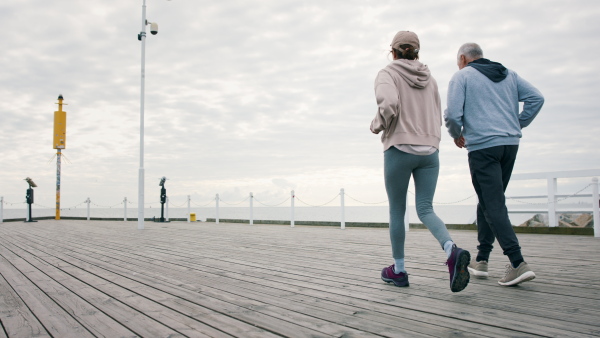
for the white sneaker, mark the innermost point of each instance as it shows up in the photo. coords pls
(515, 276)
(478, 269)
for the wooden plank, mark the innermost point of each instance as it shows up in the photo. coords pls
(534, 306)
(264, 295)
(53, 284)
(258, 312)
(240, 328)
(103, 325)
(15, 317)
(273, 273)
(55, 320)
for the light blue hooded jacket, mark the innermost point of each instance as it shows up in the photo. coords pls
(483, 105)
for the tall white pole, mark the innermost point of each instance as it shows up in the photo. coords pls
(125, 209)
(292, 221)
(2, 209)
(217, 203)
(596, 207)
(343, 220)
(251, 207)
(143, 78)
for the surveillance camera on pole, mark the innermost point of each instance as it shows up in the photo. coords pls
(153, 28)
(141, 171)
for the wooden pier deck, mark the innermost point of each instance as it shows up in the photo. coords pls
(108, 279)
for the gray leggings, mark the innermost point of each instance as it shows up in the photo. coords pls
(398, 167)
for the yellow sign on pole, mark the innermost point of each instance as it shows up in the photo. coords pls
(60, 126)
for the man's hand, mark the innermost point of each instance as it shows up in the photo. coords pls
(460, 142)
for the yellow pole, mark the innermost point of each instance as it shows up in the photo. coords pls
(57, 184)
(60, 138)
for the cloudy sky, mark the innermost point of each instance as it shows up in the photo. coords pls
(269, 96)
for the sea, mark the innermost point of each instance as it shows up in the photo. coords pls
(450, 214)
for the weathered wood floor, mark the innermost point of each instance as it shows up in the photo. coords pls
(98, 278)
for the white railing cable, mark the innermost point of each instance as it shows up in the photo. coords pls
(271, 205)
(203, 205)
(244, 200)
(105, 206)
(319, 205)
(355, 200)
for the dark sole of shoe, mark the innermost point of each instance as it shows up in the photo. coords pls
(399, 284)
(461, 273)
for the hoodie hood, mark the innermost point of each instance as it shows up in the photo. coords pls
(415, 73)
(493, 70)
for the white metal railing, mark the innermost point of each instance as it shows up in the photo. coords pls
(551, 177)
(553, 197)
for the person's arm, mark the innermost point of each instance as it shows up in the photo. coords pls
(532, 99)
(453, 115)
(387, 102)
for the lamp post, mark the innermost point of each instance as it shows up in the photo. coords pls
(142, 38)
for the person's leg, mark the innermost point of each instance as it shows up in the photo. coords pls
(425, 177)
(507, 163)
(487, 176)
(397, 171)
(485, 236)
(398, 167)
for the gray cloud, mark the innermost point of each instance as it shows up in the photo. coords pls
(267, 95)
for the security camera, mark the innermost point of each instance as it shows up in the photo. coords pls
(153, 28)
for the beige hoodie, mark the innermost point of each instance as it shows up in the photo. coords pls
(409, 105)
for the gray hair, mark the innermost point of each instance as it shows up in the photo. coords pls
(470, 50)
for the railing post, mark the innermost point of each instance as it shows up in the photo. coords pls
(189, 209)
(251, 209)
(406, 218)
(217, 204)
(552, 221)
(88, 208)
(342, 221)
(167, 208)
(1, 209)
(292, 216)
(596, 207)
(125, 209)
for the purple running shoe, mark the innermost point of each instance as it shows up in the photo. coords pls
(388, 275)
(457, 266)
